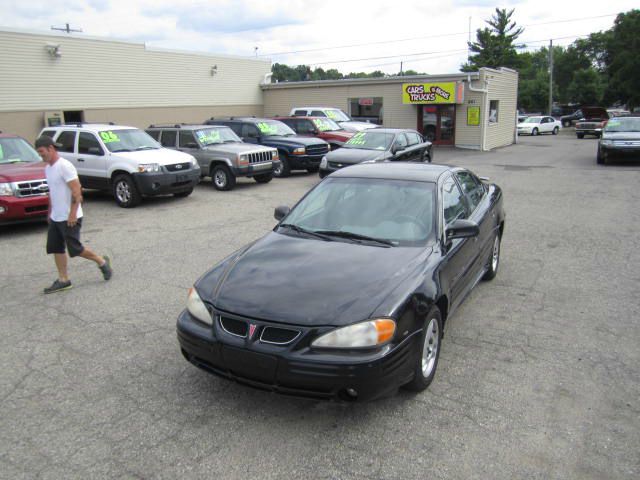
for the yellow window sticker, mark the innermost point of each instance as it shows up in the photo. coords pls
(109, 137)
(332, 115)
(321, 124)
(357, 139)
(267, 128)
(211, 136)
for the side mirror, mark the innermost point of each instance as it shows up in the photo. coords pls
(191, 145)
(281, 212)
(396, 148)
(462, 228)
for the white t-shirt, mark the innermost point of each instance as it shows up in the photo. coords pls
(58, 175)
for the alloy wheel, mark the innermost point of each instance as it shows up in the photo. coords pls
(430, 347)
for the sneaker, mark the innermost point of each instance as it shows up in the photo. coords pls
(106, 268)
(58, 286)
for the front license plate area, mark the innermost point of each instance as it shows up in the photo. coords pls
(248, 364)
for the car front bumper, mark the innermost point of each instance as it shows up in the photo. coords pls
(23, 209)
(305, 161)
(301, 372)
(256, 169)
(162, 183)
(622, 149)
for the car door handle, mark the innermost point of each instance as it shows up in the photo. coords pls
(81, 159)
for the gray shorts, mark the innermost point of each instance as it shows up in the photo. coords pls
(61, 235)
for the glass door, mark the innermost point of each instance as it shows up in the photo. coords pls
(437, 123)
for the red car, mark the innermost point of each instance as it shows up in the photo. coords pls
(24, 194)
(320, 127)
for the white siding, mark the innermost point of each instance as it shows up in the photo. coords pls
(96, 73)
(503, 86)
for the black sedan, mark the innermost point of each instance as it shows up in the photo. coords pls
(378, 145)
(348, 296)
(620, 138)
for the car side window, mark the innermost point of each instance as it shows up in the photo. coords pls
(67, 141)
(186, 139)
(155, 134)
(472, 188)
(305, 126)
(453, 201)
(413, 138)
(318, 113)
(48, 133)
(401, 141)
(249, 130)
(168, 138)
(236, 127)
(300, 113)
(88, 144)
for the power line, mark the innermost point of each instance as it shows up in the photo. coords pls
(276, 54)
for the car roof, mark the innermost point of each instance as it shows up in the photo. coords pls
(9, 135)
(240, 119)
(421, 172)
(92, 127)
(390, 130)
(183, 126)
(298, 117)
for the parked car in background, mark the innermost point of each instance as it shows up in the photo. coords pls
(220, 153)
(568, 120)
(295, 152)
(379, 145)
(349, 294)
(335, 114)
(321, 127)
(620, 138)
(594, 119)
(125, 161)
(24, 194)
(538, 125)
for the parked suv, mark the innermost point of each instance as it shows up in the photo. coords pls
(334, 114)
(295, 152)
(320, 127)
(221, 153)
(568, 120)
(125, 161)
(24, 195)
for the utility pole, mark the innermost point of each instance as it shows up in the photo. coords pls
(67, 29)
(400, 68)
(550, 75)
(469, 48)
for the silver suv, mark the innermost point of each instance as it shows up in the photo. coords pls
(220, 152)
(125, 161)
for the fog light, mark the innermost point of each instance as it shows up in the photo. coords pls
(351, 392)
(155, 186)
(2, 210)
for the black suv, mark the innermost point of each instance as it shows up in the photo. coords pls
(296, 153)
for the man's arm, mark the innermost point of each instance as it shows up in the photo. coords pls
(76, 200)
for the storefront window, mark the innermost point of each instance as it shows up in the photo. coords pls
(493, 111)
(366, 109)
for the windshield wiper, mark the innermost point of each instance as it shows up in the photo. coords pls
(299, 229)
(231, 141)
(144, 147)
(355, 236)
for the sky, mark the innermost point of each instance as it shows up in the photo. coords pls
(351, 36)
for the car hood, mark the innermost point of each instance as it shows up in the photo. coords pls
(20, 172)
(355, 155)
(594, 112)
(163, 156)
(353, 126)
(303, 281)
(292, 141)
(527, 125)
(235, 148)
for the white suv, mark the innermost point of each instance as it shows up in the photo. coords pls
(125, 161)
(334, 114)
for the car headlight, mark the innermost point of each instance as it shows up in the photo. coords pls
(275, 156)
(148, 167)
(197, 308)
(299, 151)
(365, 334)
(607, 142)
(243, 160)
(6, 190)
(194, 162)
(324, 162)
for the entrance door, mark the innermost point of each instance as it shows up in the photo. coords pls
(437, 123)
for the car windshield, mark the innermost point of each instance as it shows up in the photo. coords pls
(15, 150)
(399, 212)
(274, 127)
(370, 140)
(326, 124)
(212, 136)
(336, 115)
(629, 124)
(533, 120)
(129, 140)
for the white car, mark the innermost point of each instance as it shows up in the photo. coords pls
(539, 124)
(125, 161)
(334, 114)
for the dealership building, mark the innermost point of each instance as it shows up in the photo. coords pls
(53, 78)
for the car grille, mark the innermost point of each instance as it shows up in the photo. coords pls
(33, 188)
(589, 125)
(235, 327)
(269, 334)
(278, 336)
(317, 149)
(178, 167)
(260, 157)
(336, 165)
(626, 143)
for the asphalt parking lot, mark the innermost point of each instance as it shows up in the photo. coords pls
(539, 376)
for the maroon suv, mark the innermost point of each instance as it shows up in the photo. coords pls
(24, 194)
(320, 127)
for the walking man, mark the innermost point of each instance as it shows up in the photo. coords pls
(65, 215)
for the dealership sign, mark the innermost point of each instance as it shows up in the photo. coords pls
(432, 93)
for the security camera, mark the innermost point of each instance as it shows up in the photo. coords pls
(53, 49)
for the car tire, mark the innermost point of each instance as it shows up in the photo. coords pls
(534, 132)
(580, 135)
(566, 123)
(264, 178)
(322, 174)
(125, 191)
(222, 178)
(428, 352)
(184, 194)
(313, 169)
(284, 170)
(600, 158)
(426, 158)
(555, 131)
(494, 260)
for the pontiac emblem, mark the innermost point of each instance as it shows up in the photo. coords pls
(178, 167)
(252, 330)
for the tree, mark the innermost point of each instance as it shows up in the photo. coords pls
(495, 46)
(623, 59)
(586, 87)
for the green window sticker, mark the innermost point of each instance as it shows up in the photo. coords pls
(267, 128)
(109, 137)
(357, 139)
(332, 115)
(322, 124)
(1, 153)
(208, 137)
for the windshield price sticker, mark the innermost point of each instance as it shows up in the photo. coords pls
(332, 115)
(109, 137)
(1, 153)
(357, 139)
(268, 128)
(212, 136)
(322, 124)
